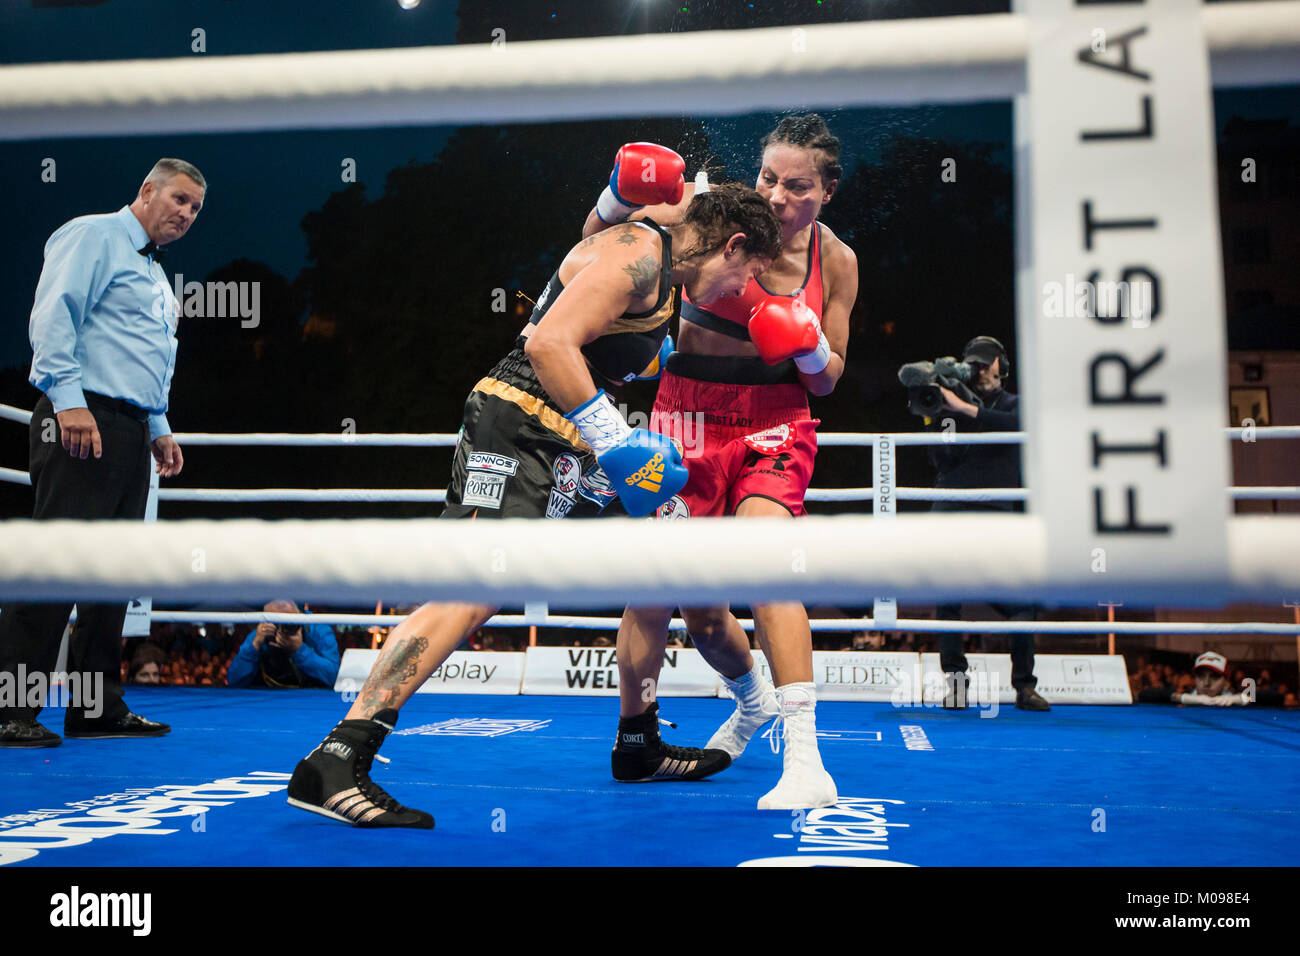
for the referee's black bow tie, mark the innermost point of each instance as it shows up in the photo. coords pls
(151, 249)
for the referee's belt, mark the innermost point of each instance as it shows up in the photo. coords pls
(120, 405)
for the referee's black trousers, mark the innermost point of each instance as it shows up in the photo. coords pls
(113, 486)
(952, 656)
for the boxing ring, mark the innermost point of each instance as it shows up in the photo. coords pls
(524, 780)
(1034, 793)
(539, 616)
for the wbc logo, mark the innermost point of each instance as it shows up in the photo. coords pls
(566, 471)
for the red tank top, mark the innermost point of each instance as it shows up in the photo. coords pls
(737, 310)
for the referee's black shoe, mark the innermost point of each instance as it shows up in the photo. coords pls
(1029, 699)
(956, 690)
(640, 756)
(334, 779)
(128, 725)
(27, 733)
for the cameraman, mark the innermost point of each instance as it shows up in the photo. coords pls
(286, 655)
(983, 466)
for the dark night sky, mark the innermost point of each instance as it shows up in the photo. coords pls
(262, 184)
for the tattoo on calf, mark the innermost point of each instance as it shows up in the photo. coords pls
(392, 670)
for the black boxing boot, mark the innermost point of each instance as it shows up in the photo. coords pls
(640, 756)
(334, 779)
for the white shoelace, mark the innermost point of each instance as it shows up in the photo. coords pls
(778, 725)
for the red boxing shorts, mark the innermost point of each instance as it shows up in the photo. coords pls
(738, 441)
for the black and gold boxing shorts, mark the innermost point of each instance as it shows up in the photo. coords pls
(519, 457)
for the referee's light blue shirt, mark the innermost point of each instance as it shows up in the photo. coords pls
(104, 319)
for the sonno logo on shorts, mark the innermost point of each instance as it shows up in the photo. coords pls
(486, 461)
(650, 475)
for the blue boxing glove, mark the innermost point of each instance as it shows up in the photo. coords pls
(644, 467)
(656, 367)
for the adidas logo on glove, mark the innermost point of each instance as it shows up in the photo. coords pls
(650, 475)
(648, 465)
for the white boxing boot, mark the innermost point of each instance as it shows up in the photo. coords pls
(804, 782)
(756, 704)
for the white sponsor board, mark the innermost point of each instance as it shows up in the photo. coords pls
(890, 676)
(464, 672)
(1062, 678)
(1122, 333)
(593, 672)
(856, 675)
(1083, 678)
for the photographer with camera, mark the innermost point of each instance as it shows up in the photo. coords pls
(286, 655)
(968, 396)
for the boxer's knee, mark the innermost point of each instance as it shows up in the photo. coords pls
(706, 625)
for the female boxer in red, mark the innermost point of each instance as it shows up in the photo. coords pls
(740, 378)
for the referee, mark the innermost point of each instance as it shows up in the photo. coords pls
(103, 334)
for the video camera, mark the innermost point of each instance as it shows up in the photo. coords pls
(922, 380)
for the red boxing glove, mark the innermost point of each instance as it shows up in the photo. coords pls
(783, 328)
(645, 174)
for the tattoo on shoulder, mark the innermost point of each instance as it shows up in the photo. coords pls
(645, 275)
(628, 236)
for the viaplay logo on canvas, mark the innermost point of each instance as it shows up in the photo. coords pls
(853, 832)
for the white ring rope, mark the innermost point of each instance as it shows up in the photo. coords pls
(831, 439)
(318, 439)
(437, 496)
(448, 439)
(882, 62)
(952, 59)
(839, 559)
(14, 476)
(817, 624)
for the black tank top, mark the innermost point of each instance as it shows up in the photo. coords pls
(632, 341)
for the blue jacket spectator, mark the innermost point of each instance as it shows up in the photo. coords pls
(289, 655)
